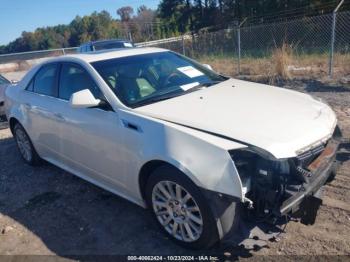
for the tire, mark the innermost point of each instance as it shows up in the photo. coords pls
(170, 208)
(25, 146)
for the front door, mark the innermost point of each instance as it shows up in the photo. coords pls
(91, 138)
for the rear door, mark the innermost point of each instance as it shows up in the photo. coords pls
(40, 108)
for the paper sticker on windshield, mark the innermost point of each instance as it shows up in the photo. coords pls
(190, 71)
(189, 86)
(127, 45)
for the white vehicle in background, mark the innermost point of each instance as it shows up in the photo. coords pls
(3, 85)
(201, 150)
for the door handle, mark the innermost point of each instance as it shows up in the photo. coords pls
(131, 126)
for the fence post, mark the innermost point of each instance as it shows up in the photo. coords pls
(183, 45)
(331, 56)
(239, 49)
(239, 44)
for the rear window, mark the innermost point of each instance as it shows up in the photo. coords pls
(30, 86)
(45, 80)
(111, 45)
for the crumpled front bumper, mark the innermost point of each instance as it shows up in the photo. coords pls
(322, 168)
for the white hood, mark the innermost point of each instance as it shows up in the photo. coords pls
(280, 121)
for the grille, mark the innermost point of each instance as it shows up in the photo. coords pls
(302, 161)
(307, 157)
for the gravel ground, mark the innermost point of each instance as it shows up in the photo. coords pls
(47, 211)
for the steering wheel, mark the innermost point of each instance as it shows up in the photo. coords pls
(171, 78)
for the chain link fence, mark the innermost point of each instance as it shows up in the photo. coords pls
(295, 48)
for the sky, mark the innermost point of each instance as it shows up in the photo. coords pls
(17, 16)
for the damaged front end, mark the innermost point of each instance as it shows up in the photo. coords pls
(278, 187)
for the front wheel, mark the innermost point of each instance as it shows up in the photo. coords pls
(180, 208)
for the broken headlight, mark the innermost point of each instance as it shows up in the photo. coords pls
(263, 177)
(257, 161)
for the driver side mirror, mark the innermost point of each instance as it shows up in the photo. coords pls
(83, 99)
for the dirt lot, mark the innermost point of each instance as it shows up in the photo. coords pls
(46, 210)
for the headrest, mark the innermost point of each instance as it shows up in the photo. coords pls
(129, 71)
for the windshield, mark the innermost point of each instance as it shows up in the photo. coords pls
(143, 79)
(111, 45)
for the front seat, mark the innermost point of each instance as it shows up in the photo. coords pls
(127, 88)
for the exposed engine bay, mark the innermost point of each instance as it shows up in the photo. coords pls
(275, 188)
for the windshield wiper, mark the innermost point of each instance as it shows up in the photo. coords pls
(156, 99)
(207, 84)
(173, 94)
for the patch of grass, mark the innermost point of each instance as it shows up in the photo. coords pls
(281, 59)
(283, 64)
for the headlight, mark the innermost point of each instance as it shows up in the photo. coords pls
(252, 161)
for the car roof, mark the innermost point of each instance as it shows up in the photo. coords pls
(111, 53)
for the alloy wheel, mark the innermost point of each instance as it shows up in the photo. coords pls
(177, 211)
(24, 144)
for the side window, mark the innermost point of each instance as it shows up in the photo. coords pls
(30, 86)
(2, 81)
(73, 79)
(45, 80)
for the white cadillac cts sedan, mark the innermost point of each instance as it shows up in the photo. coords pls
(201, 150)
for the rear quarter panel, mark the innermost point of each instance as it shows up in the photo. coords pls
(14, 100)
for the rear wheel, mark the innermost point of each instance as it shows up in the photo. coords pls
(25, 146)
(180, 208)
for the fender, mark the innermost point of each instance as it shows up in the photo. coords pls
(202, 157)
